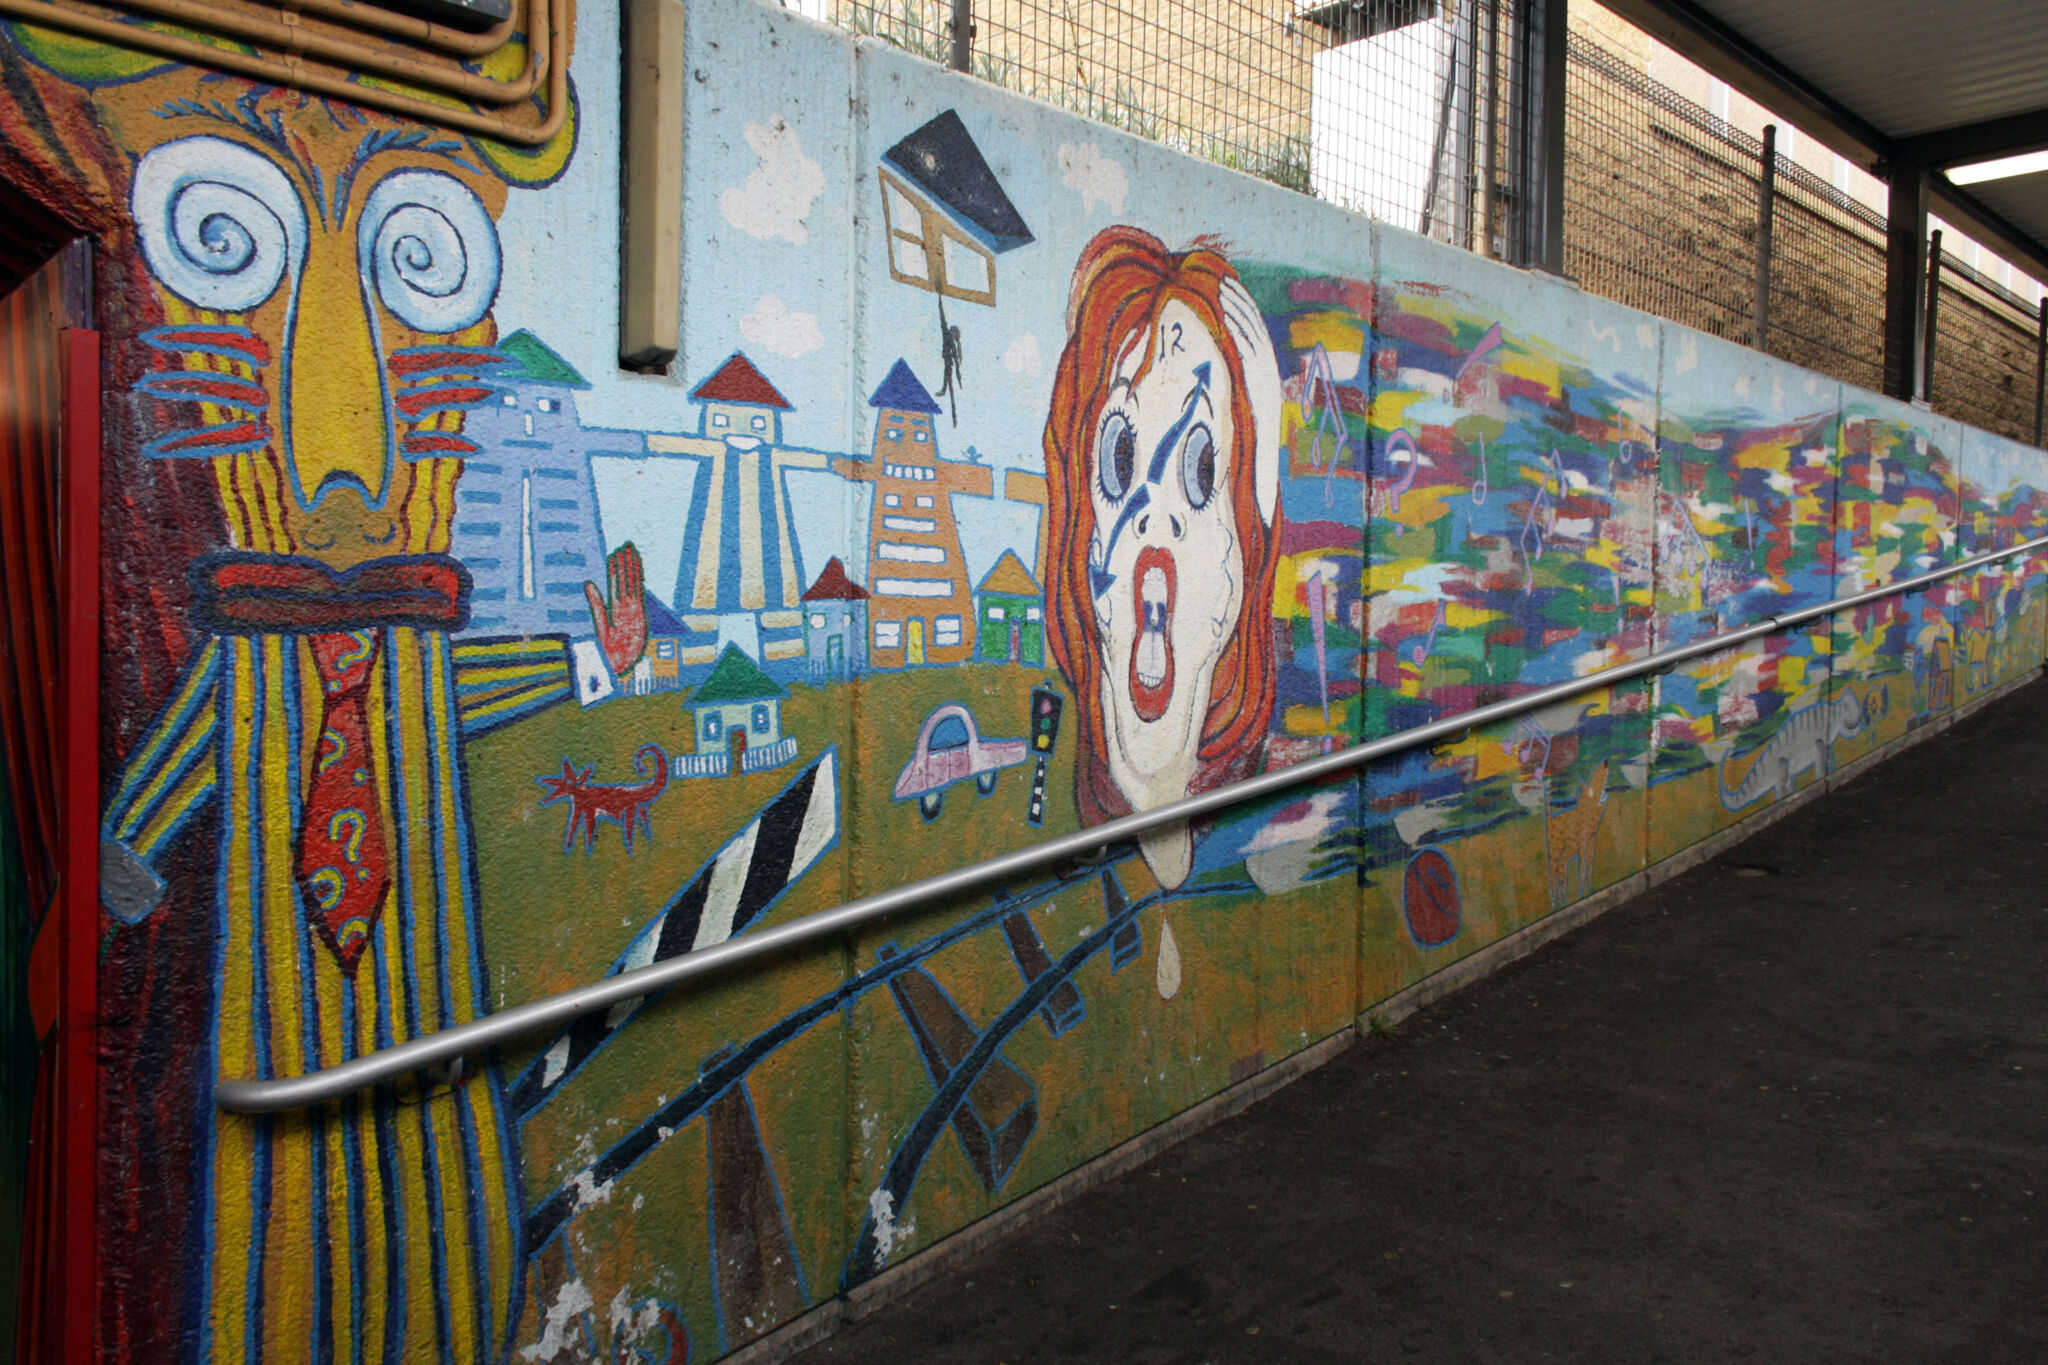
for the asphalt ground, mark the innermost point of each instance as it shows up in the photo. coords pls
(1791, 1105)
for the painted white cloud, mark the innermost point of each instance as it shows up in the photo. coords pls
(1022, 357)
(775, 327)
(780, 191)
(1095, 177)
(1688, 353)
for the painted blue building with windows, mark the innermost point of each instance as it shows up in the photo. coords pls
(526, 516)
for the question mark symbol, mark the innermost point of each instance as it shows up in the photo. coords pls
(356, 822)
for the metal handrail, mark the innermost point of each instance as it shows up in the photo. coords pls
(315, 1087)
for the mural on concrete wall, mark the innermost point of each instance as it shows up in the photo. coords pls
(1996, 622)
(1014, 475)
(1896, 494)
(1513, 484)
(1745, 511)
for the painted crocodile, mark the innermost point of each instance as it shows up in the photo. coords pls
(1803, 744)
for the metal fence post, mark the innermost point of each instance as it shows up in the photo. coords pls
(962, 58)
(2041, 369)
(1928, 316)
(1766, 207)
(1905, 267)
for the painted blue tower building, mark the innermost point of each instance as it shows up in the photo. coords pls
(526, 521)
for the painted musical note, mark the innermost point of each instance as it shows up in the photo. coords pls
(1323, 410)
(1417, 653)
(1531, 540)
(1317, 593)
(1401, 443)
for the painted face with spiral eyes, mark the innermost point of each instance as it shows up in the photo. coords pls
(1164, 564)
(327, 292)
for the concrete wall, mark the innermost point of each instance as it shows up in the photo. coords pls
(1365, 481)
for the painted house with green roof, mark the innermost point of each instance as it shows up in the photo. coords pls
(736, 714)
(527, 522)
(1009, 610)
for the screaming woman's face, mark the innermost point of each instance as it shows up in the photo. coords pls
(1165, 567)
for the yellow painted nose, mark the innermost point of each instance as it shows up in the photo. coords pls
(340, 422)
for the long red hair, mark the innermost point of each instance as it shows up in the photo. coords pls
(1124, 279)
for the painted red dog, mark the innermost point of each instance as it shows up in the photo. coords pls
(620, 803)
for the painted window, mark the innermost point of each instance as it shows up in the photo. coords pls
(924, 500)
(761, 718)
(888, 634)
(719, 419)
(892, 499)
(817, 620)
(760, 422)
(712, 727)
(1031, 613)
(996, 614)
(968, 268)
(510, 400)
(949, 733)
(910, 554)
(923, 435)
(546, 404)
(946, 631)
(664, 649)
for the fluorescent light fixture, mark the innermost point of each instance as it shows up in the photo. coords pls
(2005, 166)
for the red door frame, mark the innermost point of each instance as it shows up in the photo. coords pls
(78, 522)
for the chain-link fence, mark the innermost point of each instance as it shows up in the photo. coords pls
(1421, 113)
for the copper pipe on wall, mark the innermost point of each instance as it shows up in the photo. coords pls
(422, 31)
(288, 36)
(548, 53)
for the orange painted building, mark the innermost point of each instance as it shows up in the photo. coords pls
(920, 603)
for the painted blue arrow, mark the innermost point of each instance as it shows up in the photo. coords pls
(1100, 580)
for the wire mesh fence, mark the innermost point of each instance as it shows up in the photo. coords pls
(1421, 113)
(1412, 111)
(1986, 352)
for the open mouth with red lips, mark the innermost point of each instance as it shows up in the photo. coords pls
(1154, 586)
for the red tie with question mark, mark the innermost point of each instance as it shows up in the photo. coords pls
(344, 868)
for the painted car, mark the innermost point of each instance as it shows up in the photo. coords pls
(950, 749)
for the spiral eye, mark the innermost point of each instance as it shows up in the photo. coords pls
(430, 245)
(1116, 456)
(220, 225)
(1198, 466)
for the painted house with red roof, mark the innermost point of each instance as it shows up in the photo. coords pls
(835, 625)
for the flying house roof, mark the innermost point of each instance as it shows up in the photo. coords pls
(660, 620)
(534, 362)
(737, 381)
(942, 160)
(902, 391)
(1009, 578)
(736, 678)
(834, 586)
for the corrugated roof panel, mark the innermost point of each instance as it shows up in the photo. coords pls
(2021, 201)
(1906, 66)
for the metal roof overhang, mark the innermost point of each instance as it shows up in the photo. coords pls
(1892, 82)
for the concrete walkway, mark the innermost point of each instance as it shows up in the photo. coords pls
(1789, 1106)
